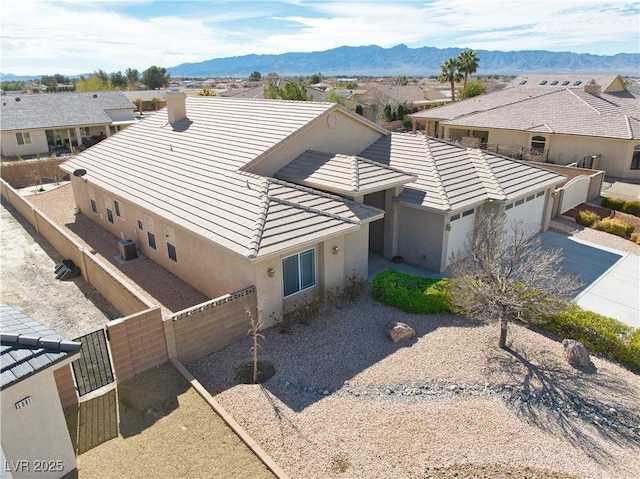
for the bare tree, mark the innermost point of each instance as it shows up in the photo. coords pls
(254, 332)
(506, 274)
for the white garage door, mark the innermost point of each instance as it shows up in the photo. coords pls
(528, 210)
(461, 227)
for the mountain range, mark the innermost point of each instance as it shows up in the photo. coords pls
(373, 60)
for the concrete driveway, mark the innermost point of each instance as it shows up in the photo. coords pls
(612, 278)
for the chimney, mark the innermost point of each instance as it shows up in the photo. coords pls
(176, 106)
(593, 88)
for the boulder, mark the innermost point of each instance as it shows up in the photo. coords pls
(397, 331)
(575, 353)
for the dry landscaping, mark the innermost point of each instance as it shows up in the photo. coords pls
(347, 402)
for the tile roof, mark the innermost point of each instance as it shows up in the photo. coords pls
(564, 111)
(562, 80)
(28, 347)
(342, 174)
(451, 177)
(188, 173)
(56, 110)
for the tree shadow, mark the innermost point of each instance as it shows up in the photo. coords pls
(554, 397)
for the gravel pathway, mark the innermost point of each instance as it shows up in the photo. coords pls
(347, 402)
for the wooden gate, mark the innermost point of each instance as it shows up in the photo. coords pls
(93, 369)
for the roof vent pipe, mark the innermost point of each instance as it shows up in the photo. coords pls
(176, 106)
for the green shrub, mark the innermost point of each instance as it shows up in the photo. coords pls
(587, 218)
(613, 203)
(616, 227)
(598, 333)
(632, 208)
(413, 294)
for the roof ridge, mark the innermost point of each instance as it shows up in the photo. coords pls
(47, 344)
(313, 210)
(382, 165)
(261, 219)
(627, 122)
(355, 173)
(478, 156)
(573, 92)
(436, 174)
(306, 189)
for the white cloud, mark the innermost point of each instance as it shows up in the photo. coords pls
(79, 36)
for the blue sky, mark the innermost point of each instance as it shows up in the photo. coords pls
(80, 36)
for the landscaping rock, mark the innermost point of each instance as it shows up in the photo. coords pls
(575, 353)
(397, 331)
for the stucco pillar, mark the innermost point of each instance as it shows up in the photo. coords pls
(78, 137)
(391, 222)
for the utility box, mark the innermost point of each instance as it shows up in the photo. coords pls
(128, 249)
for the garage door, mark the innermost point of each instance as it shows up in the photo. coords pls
(528, 210)
(461, 227)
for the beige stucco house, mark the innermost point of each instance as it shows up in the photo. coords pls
(589, 120)
(53, 123)
(290, 196)
(35, 438)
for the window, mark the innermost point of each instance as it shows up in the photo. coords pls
(635, 159)
(85, 131)
(119, 209)
(509, 206)
(92, 200)
(467, 213)
(520, 202)
(23, 138)
(139, 221)
(455, 217)
(171, 251)
(529, 198)
(298, 272)
(107, 205)
(171, 243)
(151, 237)
(540, 193)
(538, 143)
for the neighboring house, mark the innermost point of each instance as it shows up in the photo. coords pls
(290, 196)
(58, 122)
(374, 96)
(149, 100)
(35, 438)
(589, 120)
(316, 94)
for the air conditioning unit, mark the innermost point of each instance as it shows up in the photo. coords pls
(128, 249)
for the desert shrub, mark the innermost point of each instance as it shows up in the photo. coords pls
(616, 227)
(635, 237)
(613, 203)
(587, 218)
(413, 294)
(632, 208)
(598, 333)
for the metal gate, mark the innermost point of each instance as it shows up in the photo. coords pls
(93, 369)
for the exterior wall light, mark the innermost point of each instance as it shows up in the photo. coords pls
(448, 227)
(335, 250)
(271, 272)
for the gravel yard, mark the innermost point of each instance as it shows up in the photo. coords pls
(347, 402)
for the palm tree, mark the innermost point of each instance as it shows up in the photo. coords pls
(450, 73)
(468, 64)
